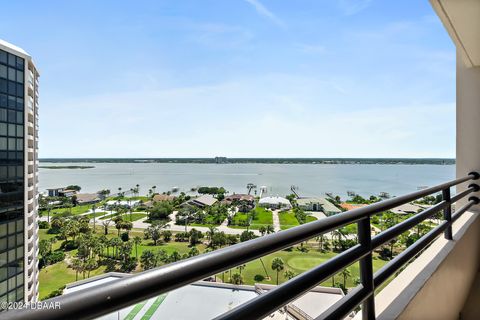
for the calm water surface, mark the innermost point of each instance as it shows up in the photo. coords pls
(311, 179)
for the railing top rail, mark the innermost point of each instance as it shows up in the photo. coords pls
(100, 300)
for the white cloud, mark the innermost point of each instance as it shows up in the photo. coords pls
(271, 116)
(351, 7)
(263, 11)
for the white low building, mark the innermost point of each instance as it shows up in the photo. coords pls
(206, 300)
(275, 203)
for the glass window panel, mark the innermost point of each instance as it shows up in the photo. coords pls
(12, 130)
(12, 74)
(19, 103)
(3, 71)
(19, 252)
(3, 114)
(11, 116)
(12, 283)
(19, 117)
(3, 226)
(20, 76)
(3, 258)
(3, 176)
(11, 227)
(20, 225)
(3, 273)
(19, 90)
(3, 286)
(3, 86)
(3, 129)
(12, 102)
(11, 241)
(19, 293)
(3, 143)
(19, 144)
(12, 144)
(20, 279)
(12, 296)
(3, 100)
(11, 257)
(20, 63)
(11, 174)
(19, 239)
(12, 60)
(20, 171)
(19, 130)
(3, 244)
(12, 88)
(3, 57)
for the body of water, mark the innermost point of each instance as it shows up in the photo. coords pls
(311, 179)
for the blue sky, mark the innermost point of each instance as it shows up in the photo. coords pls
(239, 78)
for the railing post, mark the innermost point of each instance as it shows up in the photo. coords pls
(447, 213)
(366, 268)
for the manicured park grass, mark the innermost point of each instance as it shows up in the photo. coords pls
(262, 217)
(287, 220)
(133, 216)
(57, 275)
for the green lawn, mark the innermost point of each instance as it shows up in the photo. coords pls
(297, 262)
(57, 275)
(263, 217)
(74, 210)
(133, 216)
(287, 220)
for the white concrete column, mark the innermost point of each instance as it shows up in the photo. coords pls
(468, 122)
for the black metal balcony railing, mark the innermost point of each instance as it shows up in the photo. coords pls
(101, 300)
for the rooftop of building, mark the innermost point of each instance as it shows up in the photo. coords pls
(194, 301)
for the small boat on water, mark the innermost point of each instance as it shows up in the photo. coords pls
(351, 193)
(175, 189)
(422, 187)
(384, 194)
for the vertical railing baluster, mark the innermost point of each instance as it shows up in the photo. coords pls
(447, 213)
(366, 268)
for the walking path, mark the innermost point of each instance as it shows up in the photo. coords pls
(276, 221)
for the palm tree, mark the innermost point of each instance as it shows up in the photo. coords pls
(278, 265)
(345, 274)
(77, 265)
(262, 230)
(237, 279)
(289, 274)
(137, 189)
(211, 232)
(105, 224)
(119, 191)
(137, 240)
(93, 209)
(241, 267)
(270, 229)
(251, 186)
(154, 188)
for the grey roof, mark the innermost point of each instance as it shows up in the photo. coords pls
(326, 205)
(205, 199)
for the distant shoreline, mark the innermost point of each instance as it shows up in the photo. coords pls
(385, 161)
(66, 167)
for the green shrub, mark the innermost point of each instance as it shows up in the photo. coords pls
(259, 278)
